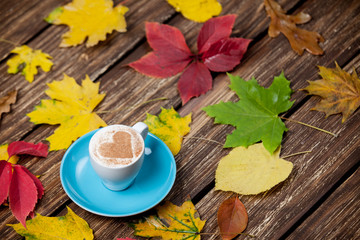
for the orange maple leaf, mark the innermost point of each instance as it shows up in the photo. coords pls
(299, 39)
(340, 91)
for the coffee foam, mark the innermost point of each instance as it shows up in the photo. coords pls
(109, 146)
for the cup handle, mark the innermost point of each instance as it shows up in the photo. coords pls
(141, 128)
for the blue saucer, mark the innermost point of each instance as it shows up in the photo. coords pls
(85, 188)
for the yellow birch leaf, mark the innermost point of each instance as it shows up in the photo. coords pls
(172, 222)
(88, 19)
(170, 127)
(72, 107)
(251, 170)
(197, 10)
(30, 59)
(70, 226)
(4, 154)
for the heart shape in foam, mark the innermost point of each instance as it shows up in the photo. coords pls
(120, 147)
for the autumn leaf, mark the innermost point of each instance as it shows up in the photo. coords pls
(70, 226)
(232, 218)
(255, 115)
(127, 238)
(72, 107)
(29, 60)
(197, 10)
(340, 91)
(170, 127)
(172, 222)
(299, 39)
(217, 52)
(6, 101)
(5, 156)
(251, 170)
(88, 19)
(18, 184)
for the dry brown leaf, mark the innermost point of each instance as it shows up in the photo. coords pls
(340, 91)
(6, 101)
(299, 39)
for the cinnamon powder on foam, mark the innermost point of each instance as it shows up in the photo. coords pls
(120, 150)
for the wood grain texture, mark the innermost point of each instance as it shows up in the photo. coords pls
(337, 217)
(270, 214)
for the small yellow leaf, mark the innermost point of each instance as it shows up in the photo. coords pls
(70, 226)
(251, 170)
(4, 154)
(71, 106)
(88, 19)
(170, 127)
(197, 10)
(172, 222)
(31, 59)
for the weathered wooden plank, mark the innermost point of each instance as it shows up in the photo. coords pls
(21, 20)
(272, 214)
(75, 62)
(196, 163)
(337, 217)
(127, 83)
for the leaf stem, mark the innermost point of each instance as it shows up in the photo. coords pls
(7, 41)
(308, 125)
(295, 154)
(138, 105)
(205, 139)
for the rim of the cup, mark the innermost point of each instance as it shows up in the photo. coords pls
(120, 166)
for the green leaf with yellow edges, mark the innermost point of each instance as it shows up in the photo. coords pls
(170, 127)
(29, 60)
(171, 223)
(72, 107)
(70, 226)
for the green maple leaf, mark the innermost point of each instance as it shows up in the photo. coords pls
(255, 115)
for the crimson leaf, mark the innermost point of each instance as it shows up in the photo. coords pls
(23, 194)
(5, 179)
(21, 147)
(171, 55)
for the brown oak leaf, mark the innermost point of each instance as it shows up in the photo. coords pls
(340, 91)
(299, 39)
(6, 101)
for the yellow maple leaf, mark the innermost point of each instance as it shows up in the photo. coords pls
(88, 19)
(170, 127)
(251, 170)
(31, 59)
(71, 106)
(197, 10)
(70, 226)
(4, 154)
(172, 222)
(340, 91)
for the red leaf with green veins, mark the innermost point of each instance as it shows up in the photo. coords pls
(21, 147)
(22, 194)
(5, 179)
(171, 55)
(214, 30)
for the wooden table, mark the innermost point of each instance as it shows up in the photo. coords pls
(320, 199)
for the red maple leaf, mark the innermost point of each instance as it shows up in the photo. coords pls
(18, 184)
(216, 52)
